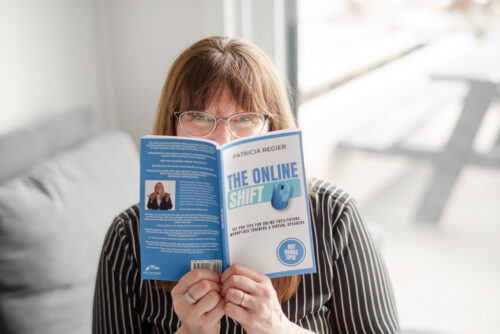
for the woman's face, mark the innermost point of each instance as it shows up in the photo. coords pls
(222, 105)
(159, 188)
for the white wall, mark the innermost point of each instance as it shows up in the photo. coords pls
(113, 55)
(48, 59)
(141, 42)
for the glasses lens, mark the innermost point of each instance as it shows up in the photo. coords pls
(247, 124)
(197, 123)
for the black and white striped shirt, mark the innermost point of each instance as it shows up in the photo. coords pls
(350, 293)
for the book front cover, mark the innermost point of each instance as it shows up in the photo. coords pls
(266, 205)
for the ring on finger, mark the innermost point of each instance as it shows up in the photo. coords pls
(190, 299)
(243, 298)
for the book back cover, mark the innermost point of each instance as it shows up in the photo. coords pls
(180, 215)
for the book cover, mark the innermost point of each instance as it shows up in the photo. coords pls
(208, 206)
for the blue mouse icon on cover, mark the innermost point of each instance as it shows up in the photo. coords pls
(281, 195)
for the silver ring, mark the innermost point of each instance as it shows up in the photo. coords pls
(243, 298)
(189, 299)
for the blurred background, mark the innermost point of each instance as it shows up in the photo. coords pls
(398, 101)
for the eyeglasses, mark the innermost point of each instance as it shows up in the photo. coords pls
(202, 124)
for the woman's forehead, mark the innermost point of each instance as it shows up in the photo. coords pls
(223, 102)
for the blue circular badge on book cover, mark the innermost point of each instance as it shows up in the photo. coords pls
(291, 252)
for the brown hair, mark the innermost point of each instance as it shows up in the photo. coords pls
(199, 74)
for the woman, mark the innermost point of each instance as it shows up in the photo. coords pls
(220, 79)
(159, 200)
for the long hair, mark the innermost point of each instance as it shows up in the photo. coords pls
(162, 188)
(198, 75)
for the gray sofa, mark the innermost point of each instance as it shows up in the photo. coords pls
(62, 181)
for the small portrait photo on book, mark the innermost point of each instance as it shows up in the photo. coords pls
(160, 195)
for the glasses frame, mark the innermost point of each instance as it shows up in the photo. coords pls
(178, 115)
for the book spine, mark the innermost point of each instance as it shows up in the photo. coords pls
(222, 203)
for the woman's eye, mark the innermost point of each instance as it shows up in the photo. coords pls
(199, 117)
(243, 119)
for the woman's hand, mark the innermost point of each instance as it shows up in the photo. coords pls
(203, 314)
(252, 301)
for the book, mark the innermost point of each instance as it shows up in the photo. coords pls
(203, 205)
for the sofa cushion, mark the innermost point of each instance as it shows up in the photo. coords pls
(23, 147)
(53, 220)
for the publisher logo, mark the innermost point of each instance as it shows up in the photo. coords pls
(291, 252)
(152, 270)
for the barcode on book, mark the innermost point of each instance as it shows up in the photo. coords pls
(214, 265)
